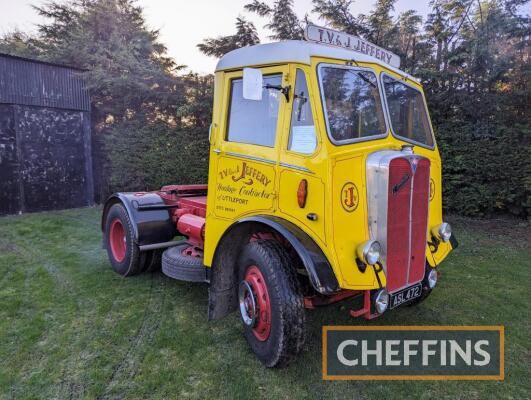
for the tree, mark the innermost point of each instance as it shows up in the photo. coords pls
(283, 21)
(245, 35)
(443, 26)
(199, 93)
(20, 44)
(337, 14)
(127, 69)
(382, 29)
(477, 84)
(410, 45)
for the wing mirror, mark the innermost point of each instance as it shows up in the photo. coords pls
(253, 83)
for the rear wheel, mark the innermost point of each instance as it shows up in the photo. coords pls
(271, 304)
(124, 254)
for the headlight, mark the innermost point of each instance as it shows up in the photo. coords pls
(442, 231)
(369, 251)
(381, 301)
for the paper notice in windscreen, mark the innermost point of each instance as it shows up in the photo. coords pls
(303, 139)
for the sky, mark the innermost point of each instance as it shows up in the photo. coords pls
(185, 23)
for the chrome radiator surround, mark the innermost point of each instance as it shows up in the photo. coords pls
(377, 175)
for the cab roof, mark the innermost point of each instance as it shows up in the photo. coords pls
(296, 51)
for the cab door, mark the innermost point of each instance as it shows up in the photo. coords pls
(302, 165)
(248, 146)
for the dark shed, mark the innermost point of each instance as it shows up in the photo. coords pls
(45, 143)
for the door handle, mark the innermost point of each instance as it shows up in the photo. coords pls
(312, 216)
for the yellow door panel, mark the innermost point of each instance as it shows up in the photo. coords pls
(243, 186)
(315, 201)
(349, 211)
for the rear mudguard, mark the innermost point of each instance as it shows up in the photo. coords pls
(223, 276)
(152, 225)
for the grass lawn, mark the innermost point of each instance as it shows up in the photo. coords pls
(70, 327)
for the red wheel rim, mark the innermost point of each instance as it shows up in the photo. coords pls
(192, 251)
(261, 312)
(117, 240)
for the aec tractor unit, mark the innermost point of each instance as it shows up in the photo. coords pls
(324, 184)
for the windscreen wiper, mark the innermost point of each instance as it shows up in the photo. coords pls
(365, 79)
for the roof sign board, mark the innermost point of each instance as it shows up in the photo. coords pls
(335, 38)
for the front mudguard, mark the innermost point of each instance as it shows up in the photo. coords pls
(438, 253)
(223, 274)
(150, 225)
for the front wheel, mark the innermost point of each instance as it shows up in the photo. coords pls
(271, 304)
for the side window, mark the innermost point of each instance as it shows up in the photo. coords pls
(302, 138)
(252, 121)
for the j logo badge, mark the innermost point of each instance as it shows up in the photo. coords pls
(432, 189)
(349, 197)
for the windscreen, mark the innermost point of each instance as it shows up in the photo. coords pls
(407, 112)
(352, 103)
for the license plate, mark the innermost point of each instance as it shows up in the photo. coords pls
(405, 295)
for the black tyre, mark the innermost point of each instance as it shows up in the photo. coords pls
(271, 303)
(124, 255)
(426, 291)
(177, 263)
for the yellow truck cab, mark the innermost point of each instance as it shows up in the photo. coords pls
(324, 184)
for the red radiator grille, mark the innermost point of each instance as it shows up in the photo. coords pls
(419, 218)
(407, 215)
(398, 223)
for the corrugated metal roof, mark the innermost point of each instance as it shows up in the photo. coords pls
(29, 82)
